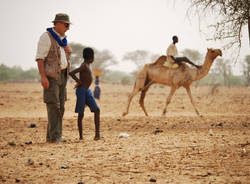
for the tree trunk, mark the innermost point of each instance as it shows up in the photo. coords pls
(249, 25)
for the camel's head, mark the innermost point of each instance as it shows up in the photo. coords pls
(213, 53)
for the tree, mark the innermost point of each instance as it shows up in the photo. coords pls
(246, 70)
(31, 74)
(16, 73)
(232, 16)
(102, 58)
(193, 55)
(5, 73)
(223, 68)
(140, 57)
(76, 56)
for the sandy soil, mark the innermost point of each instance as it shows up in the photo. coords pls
(178, 148)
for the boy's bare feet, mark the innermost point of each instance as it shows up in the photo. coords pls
(96, 138)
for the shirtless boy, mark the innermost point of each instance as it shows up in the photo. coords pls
(83, 93)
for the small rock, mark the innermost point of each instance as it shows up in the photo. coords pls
(40, 163)
(244, 150)
(118, 119)
(219, 124)
(32, 125)
(64, 167)
(12, 143)
(158, 131)
(29, 142)
(123, 135)
(80, 182)
(152, 180)
(30, 162)
(17, 180)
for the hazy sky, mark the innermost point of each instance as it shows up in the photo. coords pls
(117, 25)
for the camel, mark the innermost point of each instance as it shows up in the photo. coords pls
(183, 76)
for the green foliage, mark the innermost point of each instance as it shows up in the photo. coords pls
(212, 79)
(16, 73)
(102, 58)
(140, 57)
(126, 80)
(193, 55)
(76, 56)
(232, 16)
(246, 70)
(116, 77)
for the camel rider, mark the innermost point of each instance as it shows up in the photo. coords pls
(172, 60)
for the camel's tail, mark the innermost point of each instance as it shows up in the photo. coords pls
(139, 85)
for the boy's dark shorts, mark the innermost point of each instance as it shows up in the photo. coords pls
(85, 97)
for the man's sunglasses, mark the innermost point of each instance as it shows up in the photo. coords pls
(66, 25)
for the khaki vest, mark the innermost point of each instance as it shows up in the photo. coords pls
(53, 60)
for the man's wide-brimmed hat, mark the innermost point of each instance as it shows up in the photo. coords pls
(62, 17)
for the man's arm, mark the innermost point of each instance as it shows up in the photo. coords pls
(44, 79)
(43, 48)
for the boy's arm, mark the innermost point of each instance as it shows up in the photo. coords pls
(73, 72)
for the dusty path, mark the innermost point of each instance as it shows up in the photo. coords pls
(180, 148)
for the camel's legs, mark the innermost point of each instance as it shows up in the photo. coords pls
(130, 97)
(172, 91)
(143, 93)
(191, 99)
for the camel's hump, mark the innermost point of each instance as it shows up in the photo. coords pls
(160, 60)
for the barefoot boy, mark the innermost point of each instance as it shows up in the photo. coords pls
(83, 93)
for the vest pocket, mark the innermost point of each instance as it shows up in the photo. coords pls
(51, 70)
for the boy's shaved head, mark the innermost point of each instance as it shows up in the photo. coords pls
(88, 53)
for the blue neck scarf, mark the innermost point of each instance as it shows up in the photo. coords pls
(62, 42)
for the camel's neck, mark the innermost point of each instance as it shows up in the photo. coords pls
(203, 71)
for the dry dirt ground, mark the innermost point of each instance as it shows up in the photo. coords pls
(178, 148)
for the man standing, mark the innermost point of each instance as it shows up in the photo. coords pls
(172, 60)
(53, 54)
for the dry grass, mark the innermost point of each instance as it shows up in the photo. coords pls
(178, 148)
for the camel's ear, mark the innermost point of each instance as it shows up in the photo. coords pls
(220, 52)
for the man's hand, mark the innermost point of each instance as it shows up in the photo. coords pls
(44, 79)
(45, 82)
(68, 49)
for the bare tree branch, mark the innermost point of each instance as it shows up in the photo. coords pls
(232, 15)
